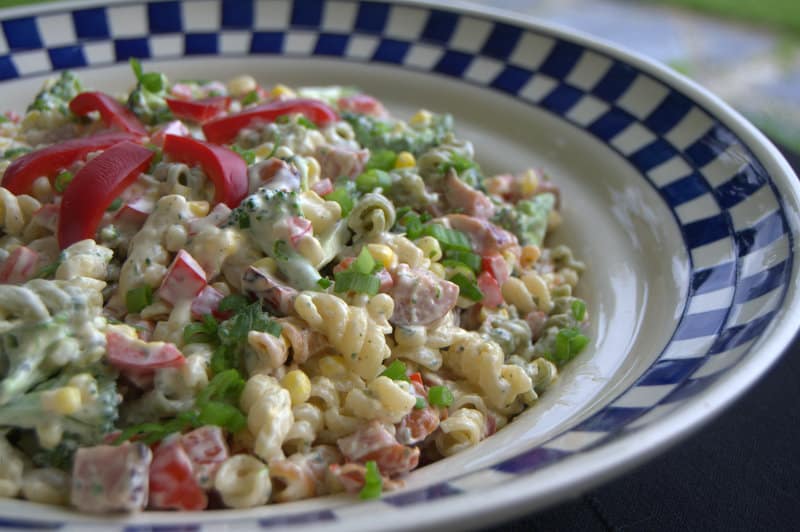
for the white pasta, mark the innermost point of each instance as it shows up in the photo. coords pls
(462, 429)
(269, 414)
(11, 468)
(16, 211)
(243, 482)
(48, 485)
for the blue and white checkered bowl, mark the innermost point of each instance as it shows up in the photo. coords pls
(685, 213)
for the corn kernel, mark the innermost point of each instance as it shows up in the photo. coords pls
(65, 400)
(264, 150)
(528, 183)
(530, 254)
(299, 386)
(421, 118)
(405, 160)
(332, 366)
(282, 91)
(199, 208)
(383, 254)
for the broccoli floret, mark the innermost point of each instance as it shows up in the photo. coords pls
(377, 134)
(147, 100)
(265, 215)
(57, 93)
(528, 218)
(81, 406)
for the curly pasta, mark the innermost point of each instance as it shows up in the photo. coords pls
(16, 211)
(243, 482)
(269, 414)
(373, 215)
(350, 330)
(462, 429)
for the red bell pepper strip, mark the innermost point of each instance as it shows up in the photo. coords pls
(131, 354)
(226, 168)
(21, 174)
(199, 110)
(223, 130)
(111, 111)
(95, 186)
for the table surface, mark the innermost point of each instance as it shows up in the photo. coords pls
(739, 472)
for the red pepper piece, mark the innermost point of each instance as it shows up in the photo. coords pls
(95, 187)
(223, 130)
(184, 279)
(21, 174)
(19, 266)
(111, 111)
(173, 485)
(131, 354)
(226, 169)
(199, 110)
(489, 287)
(495, 264)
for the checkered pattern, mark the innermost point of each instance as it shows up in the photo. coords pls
(730, 216)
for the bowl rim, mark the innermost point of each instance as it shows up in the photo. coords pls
(586, 469)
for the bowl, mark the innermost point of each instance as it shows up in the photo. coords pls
(684, 212)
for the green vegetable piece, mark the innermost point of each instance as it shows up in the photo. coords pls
(528, 219)
(205, 331)
(250, 98)
(413, 225)
(364, 263)
(466, 287)
(62, 180)
(232, 303)
(372, 179)
(467, 258)
(249, 156)
(363, 283)
(396, 371)
(457, 162)
(567, 344)
(306, 123)
(381, 160)
(449, 239)
(223, 415)
(324, 282)
(138, 298)
(343, 197)
(440, 396)
(373, 482)
(578, 310)
(420, 404)
(13, 153)
(115, 205)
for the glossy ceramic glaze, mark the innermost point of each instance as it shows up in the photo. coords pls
(685, 215)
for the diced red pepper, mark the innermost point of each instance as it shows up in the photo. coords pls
(127, 353)
(496, 265)
(184, 279)
(362, 104)
(206, 303)
(176, 127)
(134, 213)
(226, 168)
(95, 187)
(323, 187)
(199, 110)
(223, 130)
(207, 449)
(111, 111)
(20, 266)
(416, 377)
(492, 296)
(298, 228)
(20, 174)
(173, 485)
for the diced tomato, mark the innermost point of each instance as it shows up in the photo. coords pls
(394, 459)
(298, 228)
(173, 485)
(95, 187)
(224, 129)
(224, 167)
(127, 353)
(182, 91)
(134, 213)
(416, 377)
(111, 111)
(184, 279)
(199, 110)
(207, 302)
(492, 296)
(176, 127)
(13, 116)
(20, 266)
(207, 449)
(20, 174)
(362, 104)
(417, 425)
(496, 265)
(323, 187)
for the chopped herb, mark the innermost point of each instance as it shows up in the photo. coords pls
(62, 180)
(233, 302)
(466, 287)
(306, 123)
(449, 239)
(578, 310)
(440, 396)
(250, 98)
(354, 281)
(249, 156)
(364, 263)
(457, 162)
(373, 482)
(47, 271)
(568, 343)
(204, 332)
(281, 250)
(115, 205)
(13, 153)
(324, 282)
(467, 258)
(396, 371)
(343, 195)
(276, 143)
(420, 404)
(138, 298)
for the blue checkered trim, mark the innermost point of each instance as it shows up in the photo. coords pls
(743, 267)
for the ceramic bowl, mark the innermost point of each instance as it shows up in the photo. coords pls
(684, 212)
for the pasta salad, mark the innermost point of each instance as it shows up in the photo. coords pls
(224, 295)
